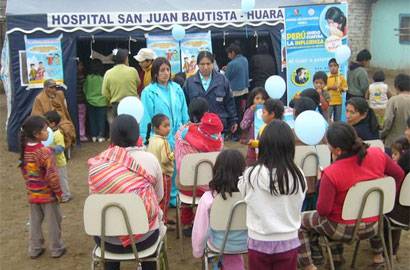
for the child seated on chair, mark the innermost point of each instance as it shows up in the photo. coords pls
(203, 137)
(229, 166)
(274, 190)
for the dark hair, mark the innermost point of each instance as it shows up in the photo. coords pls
(303, 104)
(229, 166)
(378, 76)
(401, 145)
(277, 151)
(361, 105)
(312, 94)
(402, 82)
(332, 61)
(263, 48)
(342, 135)
(336, 14)
(156, 65)
(363, 55)
(121, 56)
(125, 131)
(96, 67)
(233, 47)
(205, 54)
(156, 121)
(197, 108)
(404, 161)
(180, 78)
(274, 106)
(320, 75)
(53, 117)
(256, 91)
(32, 126)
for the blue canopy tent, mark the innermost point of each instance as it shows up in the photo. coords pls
(130, 19)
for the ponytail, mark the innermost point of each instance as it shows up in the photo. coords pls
(374, 124)
(23, 142)
(359, 148)
(149, 127)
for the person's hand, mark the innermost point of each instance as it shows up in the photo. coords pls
(224, 68)
(253, 107)
(234, 128)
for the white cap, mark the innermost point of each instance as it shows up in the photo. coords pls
(145, 54)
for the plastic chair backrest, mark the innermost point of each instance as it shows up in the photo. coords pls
(115, 224)
(307, 153)
(356, 194)
(376, 143)
(190, 162)
(221, 211)
(404, 198)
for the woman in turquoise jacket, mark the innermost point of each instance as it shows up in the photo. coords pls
(166, 97)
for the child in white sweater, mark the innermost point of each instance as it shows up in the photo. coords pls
(274, 190)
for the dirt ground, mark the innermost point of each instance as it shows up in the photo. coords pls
(14, 217)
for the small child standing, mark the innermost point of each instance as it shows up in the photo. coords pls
(229, 166)
(336, 84)
(274, 183)
(256, 97)
(58, 146)
(272, 109)
(43, 188)
(159, 146)
(320, 82)
(378, 95)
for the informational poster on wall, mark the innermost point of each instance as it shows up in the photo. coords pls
(191, 45)
(166, 46)
(313, 33)
(44, 61)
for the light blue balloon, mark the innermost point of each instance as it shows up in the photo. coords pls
(247, 5)
(275, 86)
(131, 106)
(178, 32)
(50, 138)
(342, 54)
(310, 127)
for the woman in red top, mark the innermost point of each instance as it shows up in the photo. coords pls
(353, 162)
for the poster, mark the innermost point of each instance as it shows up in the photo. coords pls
(258, 121)
(44, 61)
(166, 46)
(313, 33)
(190, 48)
(5, 75)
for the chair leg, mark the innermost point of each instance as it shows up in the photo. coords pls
(93, 263)
(329, 254)
(165, 256)
(390, 241)
(386, 253)
(178, 210)
(356, 250)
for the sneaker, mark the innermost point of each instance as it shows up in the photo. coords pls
(38, 254)
(83, 139)
(101, 139)
(60, 254)
(94, 139)
(66, 199)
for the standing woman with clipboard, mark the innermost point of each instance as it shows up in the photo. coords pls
(164, 96)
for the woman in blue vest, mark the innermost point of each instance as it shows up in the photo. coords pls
(164, 96)
(214, 87)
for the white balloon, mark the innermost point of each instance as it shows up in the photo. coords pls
(50, 138)
(310, 127)
(275, 86)
(131, 106)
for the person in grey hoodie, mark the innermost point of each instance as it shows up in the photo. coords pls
(357, 78)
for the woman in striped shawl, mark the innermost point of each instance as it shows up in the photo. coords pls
(116, 170)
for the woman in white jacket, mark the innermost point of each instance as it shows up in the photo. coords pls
(274, 190)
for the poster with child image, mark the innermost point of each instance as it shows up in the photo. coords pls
(190, 48)
(166, 46)
(312, 35)
(44, 61)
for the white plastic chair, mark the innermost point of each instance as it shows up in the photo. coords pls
(118, 215)
(311, 158)
(226, 216)
(404, 199)
(363, 200)
(196, 170)
(376, 143)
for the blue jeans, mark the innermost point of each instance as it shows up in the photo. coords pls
(335, 111)
(97, 116)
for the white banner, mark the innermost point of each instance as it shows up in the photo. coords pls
(164, 17)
